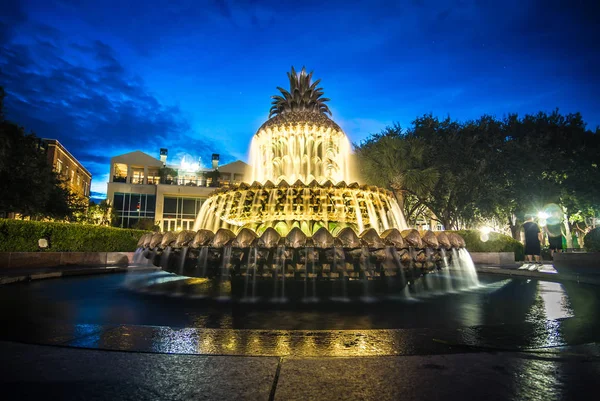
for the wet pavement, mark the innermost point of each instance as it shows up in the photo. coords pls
(102, 337)
(44, 372)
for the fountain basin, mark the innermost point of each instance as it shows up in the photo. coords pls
(395, 258)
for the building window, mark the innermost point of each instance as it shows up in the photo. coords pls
(72, 176)
(138, 176)
(78, 180)
(59, 166)
(130, 208)
(153, 177)
(120, 172)
(180, 213)
(85, 188)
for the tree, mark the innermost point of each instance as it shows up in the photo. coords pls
(393, 160)
(167, 175)
(28, 184)
(488, 169)
(101, 214)
(214, 177)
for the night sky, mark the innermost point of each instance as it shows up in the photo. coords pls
(109, 77)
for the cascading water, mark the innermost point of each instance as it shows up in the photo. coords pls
(298, 220)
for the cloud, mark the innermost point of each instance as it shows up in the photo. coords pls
(82, 95)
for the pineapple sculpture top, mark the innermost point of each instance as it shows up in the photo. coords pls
(302, 96)
(299, 141)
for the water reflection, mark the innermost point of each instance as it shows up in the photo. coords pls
(504, 313)
(555, 300)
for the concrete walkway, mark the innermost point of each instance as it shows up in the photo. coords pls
(32, 372)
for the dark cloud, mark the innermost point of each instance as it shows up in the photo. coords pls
(86, 99)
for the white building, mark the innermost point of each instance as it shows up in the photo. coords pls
(143, 187)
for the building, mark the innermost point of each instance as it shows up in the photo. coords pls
(77, 177)
(143, 187)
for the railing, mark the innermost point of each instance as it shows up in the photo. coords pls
(201, 182)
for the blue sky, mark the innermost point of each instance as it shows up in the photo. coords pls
(109, 77)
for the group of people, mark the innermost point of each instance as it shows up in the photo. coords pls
(534, 238)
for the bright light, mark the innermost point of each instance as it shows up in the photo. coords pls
(485, 233)
(188, 165)
(485, 230)
(543, 215)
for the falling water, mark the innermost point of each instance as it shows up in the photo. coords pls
(309, 255)
(468, 267)
(247, 276)
(283, 269)
(202, 256)
(398, 264)
(366, 267)
(314, 280)
(279, 263)
(164, 258)
(463, 266)
(183, 255)
(431, 279)
(446, 274)
(254, 274)
(138, 257)
(456, 269)
(224, 271)
(342, 274)
(417, 286)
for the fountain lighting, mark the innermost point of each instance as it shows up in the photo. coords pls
(302, 218)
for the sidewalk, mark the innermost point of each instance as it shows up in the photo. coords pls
(545, 272)
(33, 372)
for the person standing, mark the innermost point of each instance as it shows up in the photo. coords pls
(533, 241)
(555, 237)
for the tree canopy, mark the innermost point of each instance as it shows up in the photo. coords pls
(462, 173)
(28, 184)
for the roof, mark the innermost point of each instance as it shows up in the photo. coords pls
(237, 166)
(137, 158)
(62, 147)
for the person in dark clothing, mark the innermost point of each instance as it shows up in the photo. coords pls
(533, 240)
(555, 237)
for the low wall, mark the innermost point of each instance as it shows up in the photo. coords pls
(493, 258)
(33, 260)
(577, 263)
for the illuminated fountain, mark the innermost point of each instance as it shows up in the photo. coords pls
(302, 218)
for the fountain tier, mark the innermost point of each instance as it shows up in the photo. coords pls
(308, 207)
(404, 256)
(301, 146)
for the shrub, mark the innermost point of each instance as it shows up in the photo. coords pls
(496, 243)
(23, 236)
(591, 240)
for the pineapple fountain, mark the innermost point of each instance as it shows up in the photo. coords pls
(302, 220)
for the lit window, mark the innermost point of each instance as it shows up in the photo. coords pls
(78, 180)
(59, 166)
(72, 176)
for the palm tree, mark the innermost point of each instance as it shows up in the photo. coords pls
(395, 161)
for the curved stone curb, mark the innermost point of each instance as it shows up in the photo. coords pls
(15, 276)
(513, 272)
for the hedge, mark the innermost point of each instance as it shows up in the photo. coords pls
(23, 236)
(496, 243)
(591, 241)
